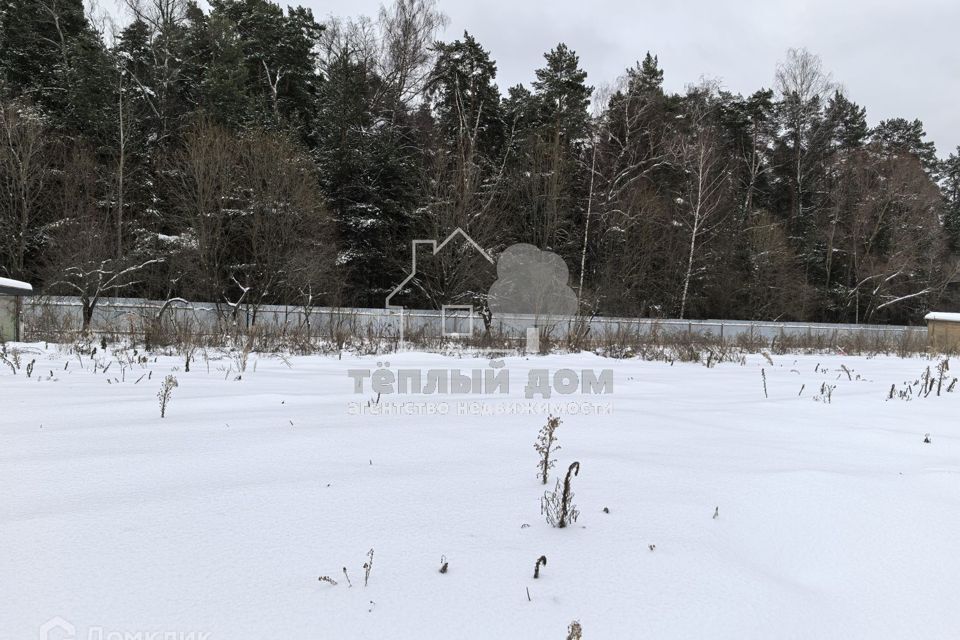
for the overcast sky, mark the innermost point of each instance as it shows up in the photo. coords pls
(896, 58)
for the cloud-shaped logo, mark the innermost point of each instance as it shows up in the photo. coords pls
(531, 281)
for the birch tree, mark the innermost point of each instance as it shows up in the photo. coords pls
(703, 186)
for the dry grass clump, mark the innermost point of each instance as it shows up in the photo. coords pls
(557, 506)
(546, 445)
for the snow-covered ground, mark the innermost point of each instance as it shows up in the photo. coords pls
(836, 520)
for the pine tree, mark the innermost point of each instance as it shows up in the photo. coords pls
(899, 136)
(749, 124)
(518, 196)
(464, 97)
(466, 143)
(562, 94)
(264, 64)
(562, 98)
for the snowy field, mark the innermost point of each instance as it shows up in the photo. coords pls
(834, 519)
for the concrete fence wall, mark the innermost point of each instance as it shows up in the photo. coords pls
(64, 315)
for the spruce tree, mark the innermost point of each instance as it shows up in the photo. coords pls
(368, 169)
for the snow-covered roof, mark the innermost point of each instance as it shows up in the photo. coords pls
(941, 315)
(15, 288)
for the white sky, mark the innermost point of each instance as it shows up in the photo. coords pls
(896, 58)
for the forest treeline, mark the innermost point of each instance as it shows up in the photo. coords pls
(247, 154)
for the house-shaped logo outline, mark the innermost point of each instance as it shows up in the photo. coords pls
(57, 624)
(435, 248)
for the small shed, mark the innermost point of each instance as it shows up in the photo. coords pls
(943, 330)
(12, 293)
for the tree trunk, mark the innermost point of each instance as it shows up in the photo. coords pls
(88, 306)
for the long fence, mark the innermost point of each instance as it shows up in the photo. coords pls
(130, 316)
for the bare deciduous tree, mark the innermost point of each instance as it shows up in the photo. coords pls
(397, 46)
(282, 219)
(891, 244)
(252, 218)
(80, 258)
(202, 179)
(26, 172)
(408, 30)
